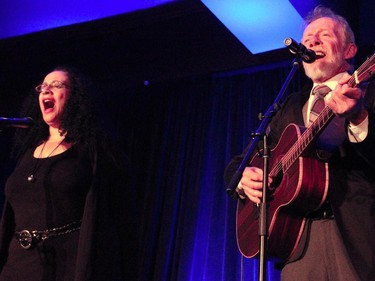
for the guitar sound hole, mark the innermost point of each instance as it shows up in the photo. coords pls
(274, 185)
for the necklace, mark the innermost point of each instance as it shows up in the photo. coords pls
(32, 178)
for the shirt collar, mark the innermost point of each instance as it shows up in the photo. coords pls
(332, 82)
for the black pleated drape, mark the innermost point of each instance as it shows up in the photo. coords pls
(180, 136)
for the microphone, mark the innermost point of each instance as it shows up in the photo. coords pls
(300, 50)
(16, 122)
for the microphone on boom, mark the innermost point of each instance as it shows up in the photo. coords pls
(24, 123)
(300, 50)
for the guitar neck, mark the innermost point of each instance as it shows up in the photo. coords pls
(363, 73)
(307, 137)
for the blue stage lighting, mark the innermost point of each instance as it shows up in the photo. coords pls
(261, 26)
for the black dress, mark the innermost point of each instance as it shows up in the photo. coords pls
(56, 198)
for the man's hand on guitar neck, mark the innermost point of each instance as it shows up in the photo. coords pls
(347, 101)
(251, 184)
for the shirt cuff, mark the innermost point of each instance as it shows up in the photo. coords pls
(240, 191)
(358, 133)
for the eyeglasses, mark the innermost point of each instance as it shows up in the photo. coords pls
(54, 84)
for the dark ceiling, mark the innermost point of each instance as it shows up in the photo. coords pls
(179, 39)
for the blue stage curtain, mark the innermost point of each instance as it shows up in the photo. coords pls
(181, 135)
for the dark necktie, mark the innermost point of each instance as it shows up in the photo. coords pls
(334, 134)
(319, 92)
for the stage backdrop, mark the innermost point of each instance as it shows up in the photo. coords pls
(180, 136)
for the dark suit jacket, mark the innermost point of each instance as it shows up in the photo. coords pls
(351, 181)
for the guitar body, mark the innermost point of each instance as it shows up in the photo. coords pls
(302, 189)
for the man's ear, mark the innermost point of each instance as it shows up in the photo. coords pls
(350, 51)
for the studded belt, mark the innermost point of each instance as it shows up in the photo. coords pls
(28, 238)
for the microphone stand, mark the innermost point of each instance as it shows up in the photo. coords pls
(231, 189)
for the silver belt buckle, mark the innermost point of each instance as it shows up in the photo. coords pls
(25, 238)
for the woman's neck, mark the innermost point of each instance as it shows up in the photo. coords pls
(55, 135)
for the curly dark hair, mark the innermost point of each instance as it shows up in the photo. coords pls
(79, 119)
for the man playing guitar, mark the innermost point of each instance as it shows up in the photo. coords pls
(334, 239)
